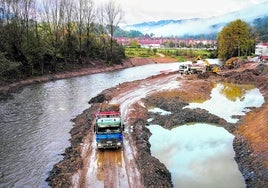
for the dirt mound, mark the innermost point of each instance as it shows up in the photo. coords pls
(251, 165)
(98, 99)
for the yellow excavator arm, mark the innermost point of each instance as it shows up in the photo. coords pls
(209, 67)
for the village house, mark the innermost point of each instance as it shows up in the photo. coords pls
(161, 42)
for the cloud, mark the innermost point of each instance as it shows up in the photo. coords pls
(152, 10)
(200, 26)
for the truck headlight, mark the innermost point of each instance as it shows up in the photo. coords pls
(119, 144)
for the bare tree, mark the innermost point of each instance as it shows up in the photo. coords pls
(85, 17)
(54, 19)
(113, 15)
(101, 30)
(53, 13)
(110, 15)
(69, 17)
(26, 14)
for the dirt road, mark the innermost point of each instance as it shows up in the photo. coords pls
(117, 168)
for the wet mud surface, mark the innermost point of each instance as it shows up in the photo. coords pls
(84, 166)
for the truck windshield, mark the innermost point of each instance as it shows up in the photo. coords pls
(182, 67)
(108, 129)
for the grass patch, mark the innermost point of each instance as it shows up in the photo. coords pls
(179, 54)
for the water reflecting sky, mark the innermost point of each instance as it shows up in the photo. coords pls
(198, 155)
(225, 107)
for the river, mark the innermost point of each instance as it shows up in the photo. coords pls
(35, 122)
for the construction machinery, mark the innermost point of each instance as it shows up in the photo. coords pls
(198, 66)
(211, 67)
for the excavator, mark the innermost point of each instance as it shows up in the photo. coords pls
(209, 67)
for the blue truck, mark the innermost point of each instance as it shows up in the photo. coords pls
(108, 127)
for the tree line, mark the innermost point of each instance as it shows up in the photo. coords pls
(46, 36)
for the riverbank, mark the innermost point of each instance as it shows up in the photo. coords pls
(250, 143)
(81, 72)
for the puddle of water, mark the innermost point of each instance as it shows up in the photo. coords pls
(199, 155)
(228, 100)
(159, 111)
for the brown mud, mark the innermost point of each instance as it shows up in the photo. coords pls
(134, 166)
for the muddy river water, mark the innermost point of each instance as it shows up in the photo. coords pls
(35, 124)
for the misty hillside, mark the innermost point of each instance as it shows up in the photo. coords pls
(198, 26)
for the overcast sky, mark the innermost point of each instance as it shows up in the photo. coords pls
(137, 11)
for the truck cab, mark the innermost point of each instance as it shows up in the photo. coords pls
(108, 129)
(185, 68)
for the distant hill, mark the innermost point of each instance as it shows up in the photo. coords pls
(208, 27)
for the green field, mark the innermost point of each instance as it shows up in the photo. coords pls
(179, 54)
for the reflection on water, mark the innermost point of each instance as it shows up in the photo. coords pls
(159, 111)
(215, 61)
(199, 155)
(228, 100)
(234, 92)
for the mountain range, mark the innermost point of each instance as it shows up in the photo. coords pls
(198, 26)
